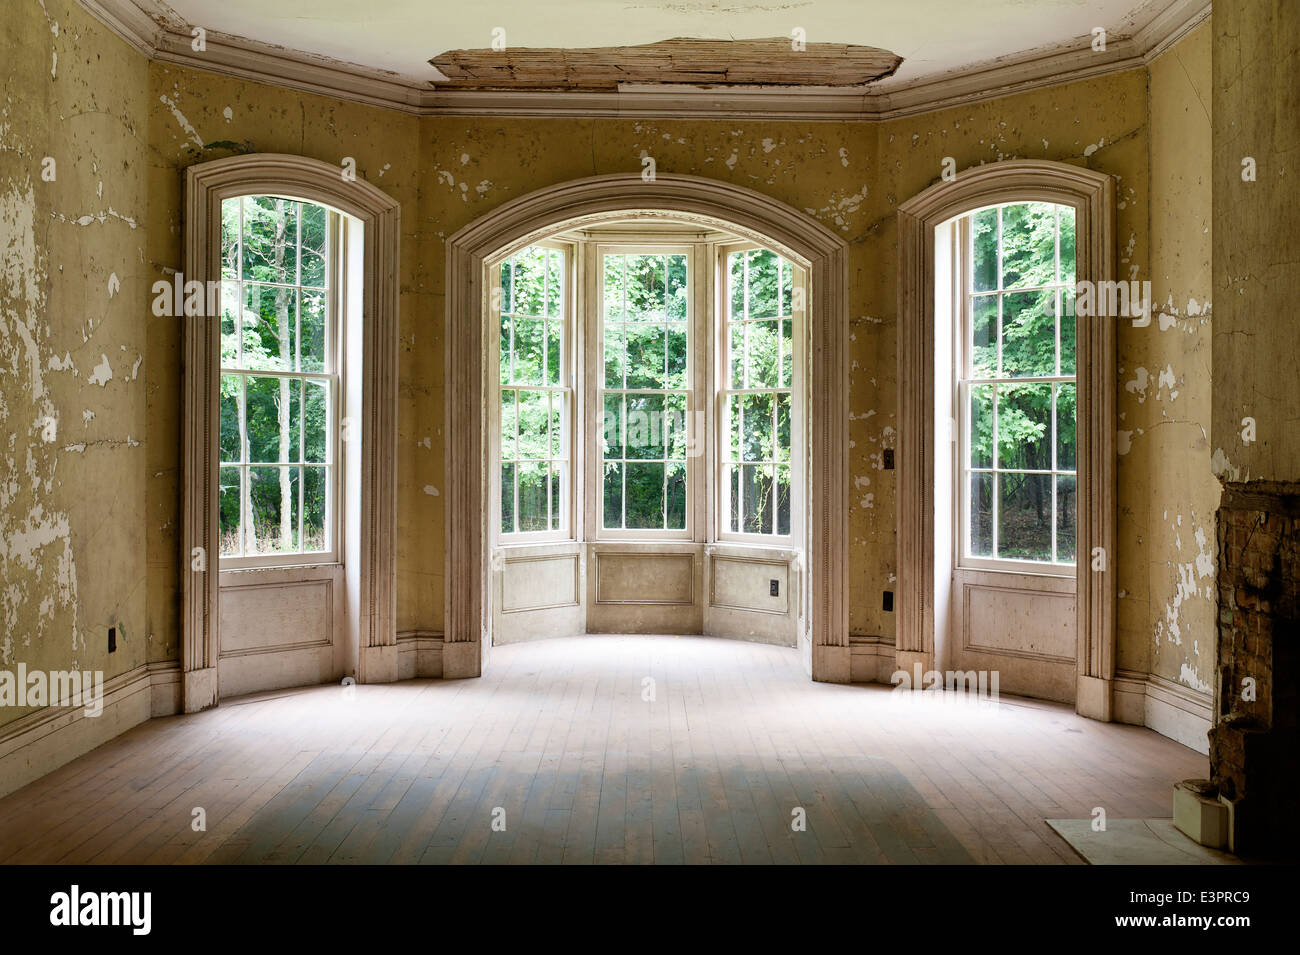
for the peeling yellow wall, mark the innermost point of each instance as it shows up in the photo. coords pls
(1168, 494)
(1257, 243)
(448, 171)
(73, 333)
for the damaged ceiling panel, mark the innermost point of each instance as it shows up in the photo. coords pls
(765, 62)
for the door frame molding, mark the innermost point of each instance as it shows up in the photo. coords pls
(468, 623)
(373, 548)
(1092, 195)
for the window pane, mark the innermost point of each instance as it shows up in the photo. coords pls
(613, 495)
(732, 483)
(1025, 516)
(984, 336)
(756, 428)
(981, 426)
(646, 288)
(736, 362)
(554, 342)
(230, 324)
(787, 288)
(507, 498)
(558, 478)
(272, 415)
(534, 411)
(1067, 245)
(228, 503)
(675, 436)
(508, 416)
(981, 515)
(645, 356)
(783, 500)
(1065, 518)
(645, 496)
(232, 395)
(312, 325)
(676, 495)
(507, 270)
(762, 357)
(764, 284)
(614, 288)
(230, 238)
(529, 276)
(1069, 341)
(1065, 427)
(615, 356)
(613, 426)
(314, 509)
(733, 427)
(554, 284)
(1024, 427)
(644, 426)
(270, 246)
(559, 406)
(315, 221)
(506, 350)
(783, 410)
(984, 250)
(269, 330)
(677, 302)
(528, 351)
(676, 341)
(533, 484)
(1028, 245)
(315, 420)
(1029, 334)
(787, 353)
(757, 503)
(736, 284)
(273, 499)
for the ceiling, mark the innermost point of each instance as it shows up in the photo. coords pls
(400, 36)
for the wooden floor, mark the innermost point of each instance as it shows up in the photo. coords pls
(559, 738)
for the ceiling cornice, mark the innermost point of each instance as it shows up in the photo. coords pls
(165, 40)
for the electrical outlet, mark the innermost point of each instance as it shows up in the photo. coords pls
(774, 587)
(889, 459)
(889, 601)
(112, 639)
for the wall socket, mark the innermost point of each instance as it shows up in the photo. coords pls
(889, 601)
(774, 587)
(112, 639)
(889, 459)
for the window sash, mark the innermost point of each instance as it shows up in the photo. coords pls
(966, 294)
(330, 377)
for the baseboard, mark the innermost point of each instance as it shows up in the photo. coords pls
(41, 742)
(1171, 709)
(419, 655)
(871, 659)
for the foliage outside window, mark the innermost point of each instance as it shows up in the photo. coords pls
(645, 390)
(535, 393)
(758, 398)
(279, 379)
(1017, 385)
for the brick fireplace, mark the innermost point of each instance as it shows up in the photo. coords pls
(1254, 747)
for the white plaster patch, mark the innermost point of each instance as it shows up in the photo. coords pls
(102, 373)
(430, 490)
(184, 123)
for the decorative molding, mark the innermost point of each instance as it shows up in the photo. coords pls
(206, 185)
(42, 741)
(611, 198)
(1171, 709)
(1092, 195)
(166, 39)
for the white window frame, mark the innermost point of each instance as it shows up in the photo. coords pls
(696, 312)
(963, 275)
(335, 335)
(570, 360)
(721, 391)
